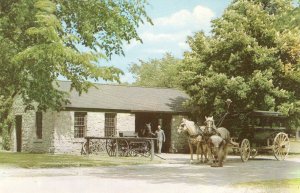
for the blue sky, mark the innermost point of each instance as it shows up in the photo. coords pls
(173, 20)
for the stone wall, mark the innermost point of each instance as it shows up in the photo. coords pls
(58, 130)
(95, 124)
(125, 122)
(179, 140)
(30, 142)
(64, 141)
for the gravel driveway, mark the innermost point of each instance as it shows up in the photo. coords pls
(175, 175)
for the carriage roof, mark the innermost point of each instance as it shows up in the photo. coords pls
(257, 113)
(264, 120)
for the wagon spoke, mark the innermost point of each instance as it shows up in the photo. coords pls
(281, 146)
(245, 150)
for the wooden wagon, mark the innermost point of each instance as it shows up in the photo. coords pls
(258, 132)
(126, 144)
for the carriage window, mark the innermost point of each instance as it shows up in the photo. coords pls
(110, 124)
(257, 122)
(39, 124)
(79, 124)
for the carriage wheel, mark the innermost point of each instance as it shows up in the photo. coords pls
(123, 147)
(253, 153)
(245, 150)
(111, 147)
(281, 146)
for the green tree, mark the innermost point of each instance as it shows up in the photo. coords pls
(246, 58)
(39, 41)
(157, 72)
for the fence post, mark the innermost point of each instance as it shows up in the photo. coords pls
(87, 146)
(117, 149)
(152, 149)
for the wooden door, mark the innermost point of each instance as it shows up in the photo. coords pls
(19, 132)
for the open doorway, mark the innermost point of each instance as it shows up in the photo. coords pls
(19, 132)
(155, 118)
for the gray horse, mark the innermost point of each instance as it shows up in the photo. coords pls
(218, 149)
(218, 139)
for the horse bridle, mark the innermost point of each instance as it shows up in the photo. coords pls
(181, 126)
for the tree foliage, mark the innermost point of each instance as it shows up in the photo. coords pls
(40, 40)
(157, 72)
(246, 58)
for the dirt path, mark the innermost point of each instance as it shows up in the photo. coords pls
(176, 175)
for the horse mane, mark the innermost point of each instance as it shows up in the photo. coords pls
(191, 125)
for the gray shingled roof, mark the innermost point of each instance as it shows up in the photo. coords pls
(128, 98)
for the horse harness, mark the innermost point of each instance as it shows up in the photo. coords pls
(194, 139)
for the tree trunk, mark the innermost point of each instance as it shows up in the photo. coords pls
(6, 122)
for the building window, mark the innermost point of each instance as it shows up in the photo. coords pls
(79, 124)
(110, 124)
(39, 124)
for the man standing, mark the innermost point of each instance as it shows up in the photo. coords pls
(160, 138)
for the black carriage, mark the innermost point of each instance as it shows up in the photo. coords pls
(259, 131)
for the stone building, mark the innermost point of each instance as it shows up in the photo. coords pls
(103, 111)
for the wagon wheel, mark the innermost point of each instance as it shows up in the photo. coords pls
(132, 150)
(147, 149)
(123, 147)
(98, 146)
(245, 150)
(93, 147)
(281, 146)
(85, 150)
(111, 147)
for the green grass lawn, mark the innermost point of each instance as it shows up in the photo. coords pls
(291, 185)
(30, 160)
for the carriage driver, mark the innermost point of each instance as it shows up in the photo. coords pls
(161, 138)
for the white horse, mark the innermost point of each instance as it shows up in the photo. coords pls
(194, 138)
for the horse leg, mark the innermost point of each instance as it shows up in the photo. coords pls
(210, 155)
(225, 152)
(201, 151)
(221, 155)
(198, 144)
(204, 147)
(191, 151)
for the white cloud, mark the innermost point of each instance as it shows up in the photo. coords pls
(158, 37)
(169, 33)
(185, 18)
(183, 45)
(156, 51)
(127, 77)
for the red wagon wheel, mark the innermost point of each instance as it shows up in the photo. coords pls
(281, 146)
(245, 150)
